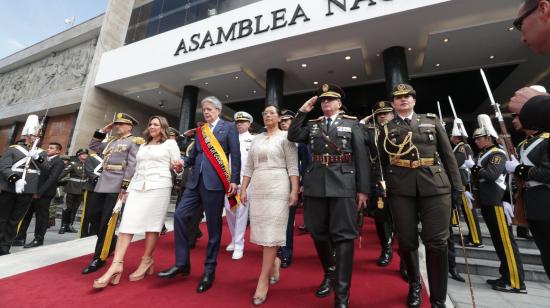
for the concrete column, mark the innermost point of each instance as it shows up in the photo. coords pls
(188, 108)
(395, 67)
(274, 87)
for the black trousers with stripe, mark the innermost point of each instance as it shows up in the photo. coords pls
(470, 215)
(511, 266)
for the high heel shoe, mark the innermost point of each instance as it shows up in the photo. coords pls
(275, 278)
(113, 278)
(257, 301)
(145, 268)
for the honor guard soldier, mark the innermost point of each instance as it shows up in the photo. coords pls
(421, 174)
(534, 169)
(377, 206)
(336, 185)
(20, 168)
(237, 220)
(74, 190)
(489, 174)
(91, 217)
(119, 162)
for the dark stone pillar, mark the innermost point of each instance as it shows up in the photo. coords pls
(188, 108)
(274, 87)
(395, 67)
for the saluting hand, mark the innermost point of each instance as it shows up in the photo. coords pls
(308, 106)
(107, 128)
(361, 200)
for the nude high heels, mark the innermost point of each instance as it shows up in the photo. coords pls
(145, 268)
(113, 277)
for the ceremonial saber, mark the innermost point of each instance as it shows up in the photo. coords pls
(440, 115)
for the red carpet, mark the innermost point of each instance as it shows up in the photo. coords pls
(62, 284)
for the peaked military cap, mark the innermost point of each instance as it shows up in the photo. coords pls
(403, 89)
(82, 151)
(243, 116)
(287, 114)
(382, 107)
(125, 119)
(330, 90)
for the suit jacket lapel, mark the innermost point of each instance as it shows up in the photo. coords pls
(334, 124)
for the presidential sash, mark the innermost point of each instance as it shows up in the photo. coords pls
(216, 156)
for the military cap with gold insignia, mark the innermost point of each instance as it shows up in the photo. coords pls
(330, 90)
(403, 89)
(287, 114)
(243, 116)
(173, 132)
(382, 107)
(125, 118)
(81, 151)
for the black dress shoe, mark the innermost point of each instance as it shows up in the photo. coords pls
(62, 229)
(206, 282)
(504, 287)
(93, 266)
(3, 253)
(174, 270)
(18, 243)
(492, 282)
(326, 285)
(286, 262)
(414, 298)
(34, 243)
(455, 275)
(70, 229)
(385, 257)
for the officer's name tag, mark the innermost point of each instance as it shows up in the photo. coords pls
(344, 129)
(426, 125)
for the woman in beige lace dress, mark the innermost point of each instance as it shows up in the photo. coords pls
(271, 170)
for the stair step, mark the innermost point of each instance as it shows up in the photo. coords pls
(490, 268)
(528, 256)
(486, 239)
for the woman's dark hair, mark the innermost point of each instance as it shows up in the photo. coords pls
(276, 108)
(164, 129)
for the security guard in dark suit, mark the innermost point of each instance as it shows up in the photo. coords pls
(534, 169)
(489, 174)
(89, 223)
(421, 172)
(336, 185)
(377, 207)
(74, 190)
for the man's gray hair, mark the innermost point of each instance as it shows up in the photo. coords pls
(214, 101)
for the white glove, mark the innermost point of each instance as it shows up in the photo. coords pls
(469, 199)
(118, 206)
(34, 154)
(508, 211)
(511, 165)
(20, 186)
(469, 163)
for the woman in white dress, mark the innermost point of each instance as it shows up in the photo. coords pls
(147, 199)
(271, 171)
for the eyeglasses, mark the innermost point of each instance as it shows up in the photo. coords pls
(518, 22)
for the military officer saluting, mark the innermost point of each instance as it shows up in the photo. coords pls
(336, 185)
(534, 169)
(20, 168)
(74, 190)
(489, 173)
(119, 162)
(421, 172)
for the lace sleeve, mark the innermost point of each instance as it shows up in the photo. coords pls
(291, 157)
(249, 164)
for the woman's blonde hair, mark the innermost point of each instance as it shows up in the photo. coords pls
(164, 129)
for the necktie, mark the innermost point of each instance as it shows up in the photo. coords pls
(329, 121)
(408, 121)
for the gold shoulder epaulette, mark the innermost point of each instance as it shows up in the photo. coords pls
(315, 120)
(138, 140)
(345, 116)
(545, 135)
(431, 115)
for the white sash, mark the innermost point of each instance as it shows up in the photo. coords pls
(96, 169)
(501, 180)
(21, 162)
(524, 159)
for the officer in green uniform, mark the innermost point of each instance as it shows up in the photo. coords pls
(119, 162)
(489, 173)
(377, 206)
(421, 173)
(336, 185)
(74, 189)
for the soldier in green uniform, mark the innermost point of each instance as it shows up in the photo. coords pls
(336, 185)
(74, 189)
(20, 168)
(421, 173)
(119, 162)
(489, 173)
(377, 206)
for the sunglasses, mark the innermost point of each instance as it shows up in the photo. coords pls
(518, 22)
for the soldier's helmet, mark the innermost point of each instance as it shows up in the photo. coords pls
(458, 129)
(382, 107)
(243, 116)
(331, 90)
(485, 127)
(125, 118)
(287, 114)
(403, 89)
(32, 126)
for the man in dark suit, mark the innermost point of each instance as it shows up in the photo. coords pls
(41, 200)
(205, 186)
